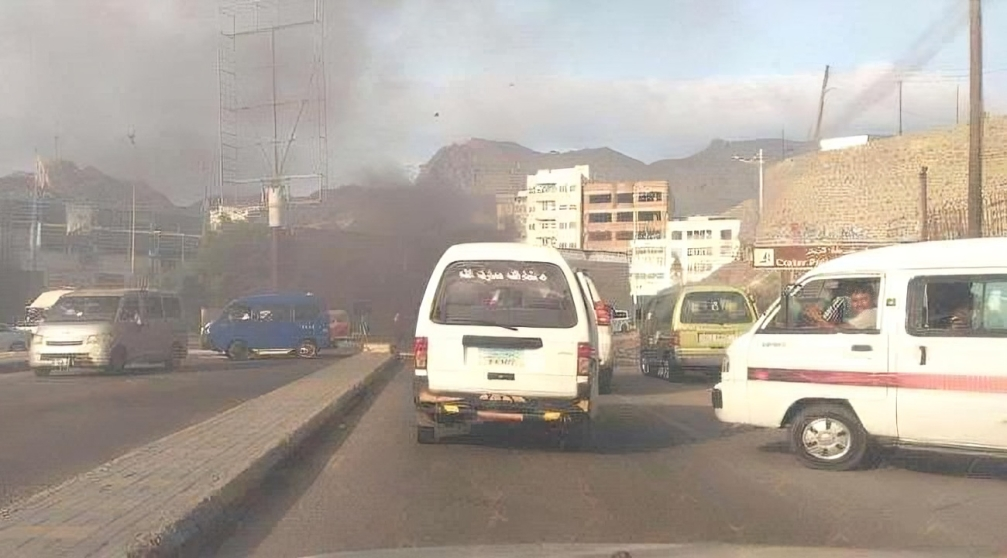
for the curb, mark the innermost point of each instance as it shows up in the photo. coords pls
(177, 495)
(187, 534)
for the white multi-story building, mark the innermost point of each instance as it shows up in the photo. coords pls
(649, 267)
(703, 244)
(552, 203)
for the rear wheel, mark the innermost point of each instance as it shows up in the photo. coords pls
(605, 381)
(426, 435)
(237, 350)
(42, 372)
(307, 349)
(116, 361)
(576, 435)
(18, 346)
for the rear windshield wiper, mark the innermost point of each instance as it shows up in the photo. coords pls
(479, 322)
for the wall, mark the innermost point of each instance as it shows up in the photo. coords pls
(871, 192)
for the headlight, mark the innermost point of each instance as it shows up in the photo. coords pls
(37, 339)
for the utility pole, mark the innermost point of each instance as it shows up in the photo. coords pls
(821, 105)
(900, 107)
(975, 192)
(958, 105)
(924, 209)
(274, 195)
(132, 214)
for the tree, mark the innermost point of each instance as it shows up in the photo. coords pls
(233, 261)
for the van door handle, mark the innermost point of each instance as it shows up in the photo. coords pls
(862, 348)
(923, 355)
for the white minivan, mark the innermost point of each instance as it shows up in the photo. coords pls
(506, 332)
(901, 346)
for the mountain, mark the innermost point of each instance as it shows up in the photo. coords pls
(709, 182)
(89, 185)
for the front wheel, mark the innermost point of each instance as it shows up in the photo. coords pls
(18, 346)
(829, 437)
(426, 435)
(237, 350)
(42, 372)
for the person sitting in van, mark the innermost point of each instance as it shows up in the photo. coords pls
(860, 304)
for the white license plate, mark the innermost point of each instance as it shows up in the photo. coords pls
(501, 358)
(60, 362)
(722, 338)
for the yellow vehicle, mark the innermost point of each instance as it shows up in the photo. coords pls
(691, 327)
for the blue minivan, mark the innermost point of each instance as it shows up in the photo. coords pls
(270, 324)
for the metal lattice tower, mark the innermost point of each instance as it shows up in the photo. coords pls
(272, 87)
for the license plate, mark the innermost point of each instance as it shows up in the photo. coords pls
(501, 358)
(721, 338)
(61, 362)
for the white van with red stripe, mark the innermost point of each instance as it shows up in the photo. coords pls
(901, 346)
(506, 332)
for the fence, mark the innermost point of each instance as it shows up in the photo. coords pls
(950, 219)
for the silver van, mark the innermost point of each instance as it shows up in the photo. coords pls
(110, 329)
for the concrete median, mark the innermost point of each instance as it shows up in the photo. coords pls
(167, 497)
(13, 362)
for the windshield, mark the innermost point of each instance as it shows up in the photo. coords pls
(505, 293)
(83, 309)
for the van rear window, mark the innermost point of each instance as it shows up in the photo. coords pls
(505, 293)
(715, 307)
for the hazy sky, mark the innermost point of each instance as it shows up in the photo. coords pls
(652, 79)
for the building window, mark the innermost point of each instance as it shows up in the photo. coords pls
(547, 205)
(725, 234)
(531, 226)
(624, 235)
(599, 217)
(699, 235)
(624, 217)
(650, 234)
(562, 225)
(573, 206)
(572, 225)
(649, 196)
(703, 251)
(562, 188)
(649, 215)
(563, 207)
(624, 198)
(599, 198)
(676, 235)
(598, 236)
(727, 250)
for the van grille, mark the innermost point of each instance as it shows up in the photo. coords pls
(63, 343)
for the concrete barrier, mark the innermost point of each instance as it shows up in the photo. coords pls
(167, 497)
(13, 362)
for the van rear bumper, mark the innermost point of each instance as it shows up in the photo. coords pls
(458, 407)
(709, 361)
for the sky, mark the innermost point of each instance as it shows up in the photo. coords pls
(652, 79)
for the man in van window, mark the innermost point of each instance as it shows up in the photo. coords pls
(864, 309)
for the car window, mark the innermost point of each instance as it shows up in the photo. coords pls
(305, 312)
(273, 313)
(505, 292)
(663, 308)
(152, 308)
(964, 306)
(238, 312)
(83, 309)
(172, 308)
(829, 305)
(715, 307)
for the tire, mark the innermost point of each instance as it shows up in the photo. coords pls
(847, 444)
(18, 346)
(237, 350)
(175, 360)
(307, 349)
(646, 368)
(42, 372)
(672, 372)
(577, 435)
(426, 435)
(605, 381)
(116, 361)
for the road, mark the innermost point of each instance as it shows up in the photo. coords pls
(52, 428)
(663, 471)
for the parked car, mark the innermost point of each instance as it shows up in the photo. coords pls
(606, 348)
(13, 339)
(506, 332)
(621, 321)
(271, 324)
(110, 329)
(691, 327)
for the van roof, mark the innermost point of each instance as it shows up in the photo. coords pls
(116, 292)
(502, 251)
(960, 253)
(278, 297)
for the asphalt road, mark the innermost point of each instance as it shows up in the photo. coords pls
(663, 471)
(52, 428)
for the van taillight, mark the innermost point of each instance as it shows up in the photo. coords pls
(601, 311)
(674, 340)
(585, 354)
(420, 349)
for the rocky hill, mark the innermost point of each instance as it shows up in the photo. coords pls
(89, 185)
(708, 182)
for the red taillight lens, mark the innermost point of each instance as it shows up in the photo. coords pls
(420, 350)
(585, 354)
(601, 311)
(674, 339)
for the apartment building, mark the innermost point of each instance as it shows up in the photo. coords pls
(615, 213)
(552, 207)
(703, 244)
